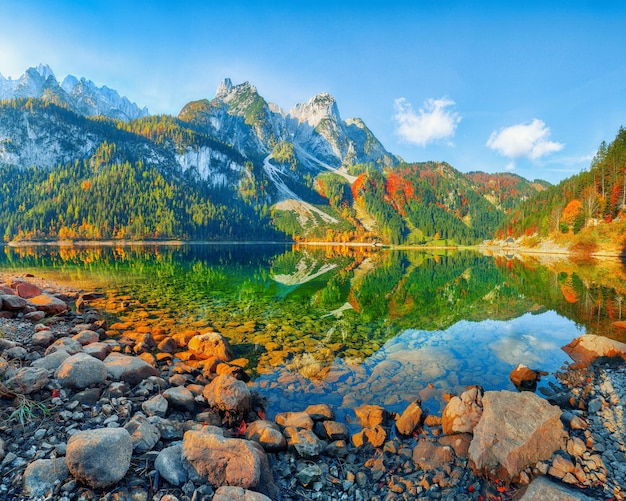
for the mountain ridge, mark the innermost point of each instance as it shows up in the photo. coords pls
(306, 173)
(81, 95)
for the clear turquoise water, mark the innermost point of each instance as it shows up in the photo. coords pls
(349, 326)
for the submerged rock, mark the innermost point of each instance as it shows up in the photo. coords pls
(211, 344)
(524, 378)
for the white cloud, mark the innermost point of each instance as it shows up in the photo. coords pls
(524, 140)
(431, 123)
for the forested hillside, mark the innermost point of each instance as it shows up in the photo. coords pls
(585, 210)
(64, 176)
(129, 186)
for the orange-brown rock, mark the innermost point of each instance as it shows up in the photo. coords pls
(515, 430)
(525, 378)
(585, 349)
(462, 413)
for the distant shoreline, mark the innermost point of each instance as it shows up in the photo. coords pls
(483, 248)
(138, 243)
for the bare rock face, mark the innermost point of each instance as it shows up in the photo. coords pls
(227, 461)
(462, 413)
(211, 344)
(228, 394)
(99, 458)
(515, 431)
(585, 349)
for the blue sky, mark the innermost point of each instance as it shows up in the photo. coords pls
(529, 87)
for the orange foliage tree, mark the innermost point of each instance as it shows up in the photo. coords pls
(571, 211)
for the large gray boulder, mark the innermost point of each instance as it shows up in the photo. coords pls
(127, 368)
(99, 458)
(227, 461)
(81, 371)
(28, 380)
(516, 430)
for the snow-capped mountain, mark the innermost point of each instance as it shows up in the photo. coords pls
(80, 95)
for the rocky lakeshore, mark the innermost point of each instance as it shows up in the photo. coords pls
(89, 416)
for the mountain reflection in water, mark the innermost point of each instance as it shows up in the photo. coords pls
(351, 325)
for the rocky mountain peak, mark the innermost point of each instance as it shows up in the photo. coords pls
(320, 107)
(83, 96)
(45, 71)
(224, 88)
(228, 92)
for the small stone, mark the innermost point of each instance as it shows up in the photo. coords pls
(169, 464)
(295, 420)
(42, 475)
(308, 474)
(576, 447)
(180, 397)
(156, 406)
(143, 434)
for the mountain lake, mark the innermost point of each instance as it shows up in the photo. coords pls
(350, 325)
